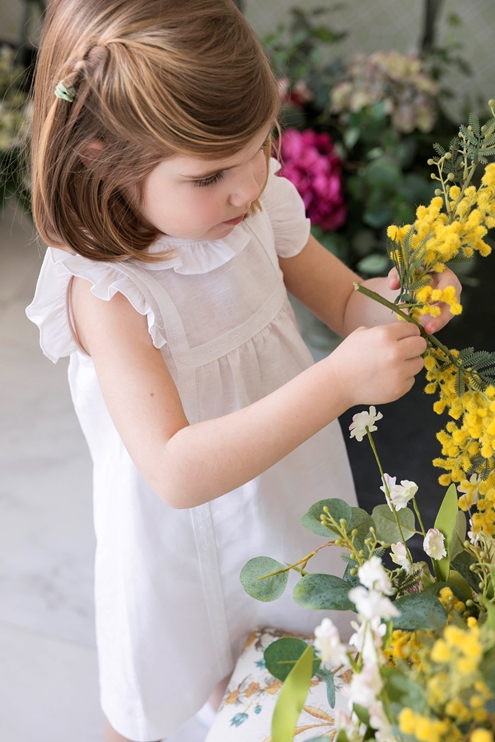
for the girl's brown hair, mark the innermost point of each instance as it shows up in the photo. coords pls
(151, 78)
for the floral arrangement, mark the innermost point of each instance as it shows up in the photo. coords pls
(399, 81)
(310, 162)
(15, 117)
(379, 115)
(422, 654)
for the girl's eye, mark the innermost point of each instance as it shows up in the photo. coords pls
(209, 180)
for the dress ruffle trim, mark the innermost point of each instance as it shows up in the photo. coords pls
(48, 309)
(195, 257)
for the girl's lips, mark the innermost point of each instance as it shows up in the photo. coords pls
(237, 220)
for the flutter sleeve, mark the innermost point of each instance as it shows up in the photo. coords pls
(287, 213)
(50, 309)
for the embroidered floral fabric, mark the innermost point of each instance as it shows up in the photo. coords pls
(247, 708)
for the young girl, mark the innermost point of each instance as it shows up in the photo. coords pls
(173, 245)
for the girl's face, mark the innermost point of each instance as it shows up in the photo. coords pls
(204, 199)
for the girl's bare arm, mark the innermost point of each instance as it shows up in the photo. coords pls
(187, 465)
(325, 285)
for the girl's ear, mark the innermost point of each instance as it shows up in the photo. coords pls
(90, 151)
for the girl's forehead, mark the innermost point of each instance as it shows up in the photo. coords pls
(197, 167)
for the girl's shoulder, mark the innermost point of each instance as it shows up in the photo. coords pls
(50, 309)
(286, 211)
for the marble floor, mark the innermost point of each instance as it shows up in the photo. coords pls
(48, 668)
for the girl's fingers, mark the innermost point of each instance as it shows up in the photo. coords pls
(393, 280)
(412, 348)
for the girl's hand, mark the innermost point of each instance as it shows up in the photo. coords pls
(439, 281)
(378, 364)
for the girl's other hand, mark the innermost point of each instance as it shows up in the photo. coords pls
(439, 281)
(378, 364)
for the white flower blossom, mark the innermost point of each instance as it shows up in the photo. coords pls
(400, 494)
(373, 575)
(363, 420)
(328, 642)
(472, 535)
(365, 685)
(371, 604)
(353, 728)
(399, 556)
(434, 544)
(367, 638)
(380, 722)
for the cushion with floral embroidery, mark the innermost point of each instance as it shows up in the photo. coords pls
(247, 707)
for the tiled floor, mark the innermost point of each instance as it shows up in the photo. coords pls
(48, 665)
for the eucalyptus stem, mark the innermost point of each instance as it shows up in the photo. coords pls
(387, 492)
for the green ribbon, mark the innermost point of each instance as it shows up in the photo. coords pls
(292, 698)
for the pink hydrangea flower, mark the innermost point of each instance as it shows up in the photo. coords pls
(309, 161)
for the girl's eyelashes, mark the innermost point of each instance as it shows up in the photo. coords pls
(218, 176)
(209, 180)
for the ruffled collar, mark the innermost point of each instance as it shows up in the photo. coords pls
(200, 256)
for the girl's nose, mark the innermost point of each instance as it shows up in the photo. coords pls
(246, 189)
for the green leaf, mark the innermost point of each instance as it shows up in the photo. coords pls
(329, 679)
(351, 137)
(461, 564)
(292, 697)
(378, 216)
(362, 522)
(459, 535)
(386, 528)
(402, 689)
(267, 589)
(361, 713)
(436, 587)
(374, 264)
(323, 592)
(490, 612)
(382, 172)
(281, 656)
(446, 523)
(419, 611)
(338, 509)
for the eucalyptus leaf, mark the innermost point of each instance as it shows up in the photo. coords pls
(323, 592)
(281, 656)
(337, 508)
(435, 588)
(446, 523)
(419, 611)
(386, 528)
(267, 589)
(329, 679)
(362, 522)
(462, 564)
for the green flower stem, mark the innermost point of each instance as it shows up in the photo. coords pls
(389, 499)
(301, 562)
(430, 339)
(418, 515)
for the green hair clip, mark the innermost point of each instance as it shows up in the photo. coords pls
(65, 93)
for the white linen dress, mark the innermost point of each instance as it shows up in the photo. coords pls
(171, 614)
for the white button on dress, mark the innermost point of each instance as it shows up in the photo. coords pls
(171, 614)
